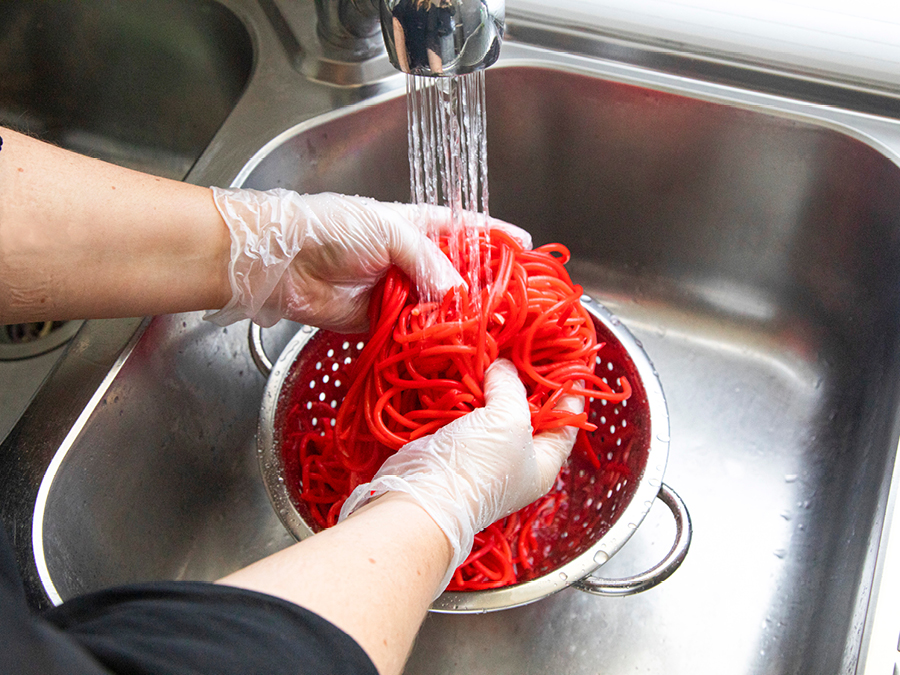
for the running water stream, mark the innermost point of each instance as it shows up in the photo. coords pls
(448, 160)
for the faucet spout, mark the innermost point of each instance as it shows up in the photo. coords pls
(436, 38)
(442, 38)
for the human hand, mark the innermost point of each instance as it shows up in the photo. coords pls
(315, 258)
(439, 219)
(480, 467)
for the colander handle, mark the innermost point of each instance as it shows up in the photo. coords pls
(657, 574)
(258, 351)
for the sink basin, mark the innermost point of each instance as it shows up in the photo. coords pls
(141, 84)
(145, 85)
(756, 255)
(751, 242)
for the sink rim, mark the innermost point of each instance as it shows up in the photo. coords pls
(46, 484)
(863, 127)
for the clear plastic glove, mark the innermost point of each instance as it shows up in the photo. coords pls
(315, 258)
(479, 468)
(439, 219)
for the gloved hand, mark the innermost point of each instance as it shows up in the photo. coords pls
(480, 467)
(315, 258)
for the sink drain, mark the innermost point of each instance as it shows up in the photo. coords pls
(25, 340)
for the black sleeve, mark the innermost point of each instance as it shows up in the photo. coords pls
(169, 628)
(192, 628)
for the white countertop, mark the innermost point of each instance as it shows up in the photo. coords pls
(857, 41)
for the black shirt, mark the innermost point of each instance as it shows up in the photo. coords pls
(168, 628)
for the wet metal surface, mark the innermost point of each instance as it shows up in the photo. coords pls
(751, 243)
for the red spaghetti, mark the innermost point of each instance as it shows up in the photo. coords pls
(423, 366)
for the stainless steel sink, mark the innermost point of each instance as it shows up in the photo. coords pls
(145, 85)
(142, 84)
(751, 241)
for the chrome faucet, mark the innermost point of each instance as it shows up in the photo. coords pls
(436, 38)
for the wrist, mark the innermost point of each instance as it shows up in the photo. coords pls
(193, 249)
(442, 507)
(220, 245)
(407, 510)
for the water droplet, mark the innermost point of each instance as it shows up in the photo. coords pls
(790, 477)
(601, 557)
(787, 515)
(663, 436)
(780, 553)
(563, 576)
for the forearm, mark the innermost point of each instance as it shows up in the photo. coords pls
(80, 238)
(373, 575)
